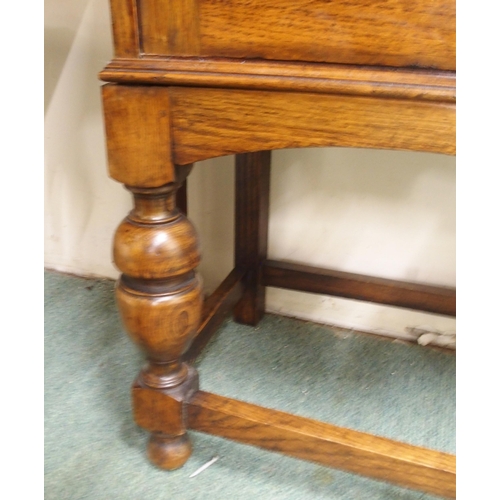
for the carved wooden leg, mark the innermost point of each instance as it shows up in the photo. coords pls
(159, 298)
(251, 228)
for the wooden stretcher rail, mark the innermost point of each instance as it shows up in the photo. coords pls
(215, 309)
(433, 299)
(353, 451)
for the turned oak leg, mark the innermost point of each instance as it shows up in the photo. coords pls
(251, 227)
(159, 298)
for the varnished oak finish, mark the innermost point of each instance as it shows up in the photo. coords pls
(126, 35)
(252, 181)
(217, 122)
(159, 298)
(138, 133)
(390, 33)
(353, 451)
(197, 79)
(292, 276)
(170, 27)
(355, 31)
(399, 83)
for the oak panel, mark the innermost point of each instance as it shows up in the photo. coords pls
(216, 122)
(169, 26)
(382, 32)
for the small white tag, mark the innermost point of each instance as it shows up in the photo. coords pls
(203, 467)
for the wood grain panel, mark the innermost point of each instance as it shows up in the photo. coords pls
(346, 449)
(125, 28)
(169, 27)
(216, 122)
(382, 32)
(137, 122)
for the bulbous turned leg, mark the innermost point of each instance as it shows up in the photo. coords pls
(159, 297)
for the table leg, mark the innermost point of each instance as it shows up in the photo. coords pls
(251, 229)
(159, 297)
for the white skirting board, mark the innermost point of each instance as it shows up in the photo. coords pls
(395, 322)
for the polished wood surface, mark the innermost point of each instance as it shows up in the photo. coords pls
(126, 35)
(417, 296)
(346, 449)
(198, 79)
(137, 123)
(159, 297)
(217, 122)
(169, 446)
(389, 33)
(170, 27)
(252, 182)
(399, 83)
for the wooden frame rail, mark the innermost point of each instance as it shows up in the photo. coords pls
(338, 447)
(215, 309)
(303, 278)
(377, 457)
(433, 299)
(358, 452)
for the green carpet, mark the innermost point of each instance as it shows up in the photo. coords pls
(93, 450)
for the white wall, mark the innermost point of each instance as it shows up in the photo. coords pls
(384, 213)
(82, 206)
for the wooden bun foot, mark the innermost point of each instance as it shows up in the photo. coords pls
(168, 452)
